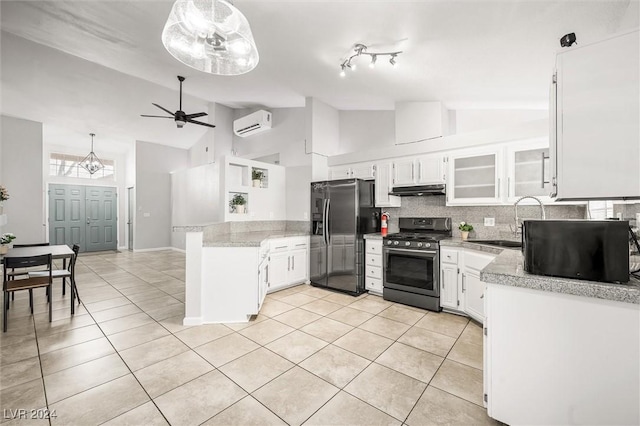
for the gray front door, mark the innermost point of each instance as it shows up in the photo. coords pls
(83, 215)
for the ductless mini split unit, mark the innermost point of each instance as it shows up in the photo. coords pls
(253, 123)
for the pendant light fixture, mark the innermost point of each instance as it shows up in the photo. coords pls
(211, 36)
(91, 162)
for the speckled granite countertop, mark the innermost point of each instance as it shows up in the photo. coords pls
(249, 239)
(507, 269)
(456, 242)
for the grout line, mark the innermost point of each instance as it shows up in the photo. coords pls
(44, 387)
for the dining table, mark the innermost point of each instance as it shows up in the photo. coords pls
(61, 251)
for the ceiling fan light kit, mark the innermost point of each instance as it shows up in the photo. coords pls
(180, 117)
(91, 162)
(361, 49)
(211, 36)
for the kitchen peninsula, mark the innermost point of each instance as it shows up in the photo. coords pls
(557, 350)
(228, 273)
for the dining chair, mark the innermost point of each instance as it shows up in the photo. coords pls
(11, 285)
(64, 273)
(23, 271)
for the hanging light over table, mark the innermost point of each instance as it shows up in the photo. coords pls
(91, 162)
(211, 36)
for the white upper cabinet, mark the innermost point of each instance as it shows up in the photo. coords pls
(350, 171)
(528, 171)
(421, 170)
(339, 172)
(475, 177)
(384, 183)
(430, 169)
(595, 132)
(404, 172)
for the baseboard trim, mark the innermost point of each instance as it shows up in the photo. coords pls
(192, 321)
(152, 249)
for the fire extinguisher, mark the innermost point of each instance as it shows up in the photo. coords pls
(384, 223)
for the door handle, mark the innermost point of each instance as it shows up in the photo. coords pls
(88, 221)
(442, 278)
(463, 288)
(293, 263)
(288, 263)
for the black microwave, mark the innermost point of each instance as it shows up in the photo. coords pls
(594, 250)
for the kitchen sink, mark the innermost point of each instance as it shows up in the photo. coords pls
(498, 243)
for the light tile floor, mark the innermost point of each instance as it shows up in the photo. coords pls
(311, 357)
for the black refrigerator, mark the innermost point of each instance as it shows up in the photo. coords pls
(342, 211)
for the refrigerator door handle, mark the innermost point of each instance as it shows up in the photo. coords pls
(324, 220)
(328, 238)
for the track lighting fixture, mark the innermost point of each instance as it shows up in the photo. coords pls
(361, 49)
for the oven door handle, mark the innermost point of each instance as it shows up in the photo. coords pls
(394, 250)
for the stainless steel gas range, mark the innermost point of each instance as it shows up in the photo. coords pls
(411, 262)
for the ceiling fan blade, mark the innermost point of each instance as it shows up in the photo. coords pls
(200, 123)
(155, 116)
(164, 109)
(196, 115)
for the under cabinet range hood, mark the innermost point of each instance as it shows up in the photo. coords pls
(418, 190)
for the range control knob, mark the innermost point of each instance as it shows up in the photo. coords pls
(395, 243)
(420, 245)
(407, 243)
(427, 245)
(389, 243)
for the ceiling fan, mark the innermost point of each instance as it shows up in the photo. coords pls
(179, 116)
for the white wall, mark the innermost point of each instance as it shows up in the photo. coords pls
(224, 131)
(323, 127)
(298, 193)
(472, 120)
(154, 163)
(195, 199)
(363, 130)
(202, 152)
(286, 137)
(22, 176)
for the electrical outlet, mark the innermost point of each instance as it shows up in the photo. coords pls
(489, 221)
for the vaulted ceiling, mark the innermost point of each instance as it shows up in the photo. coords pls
(74, 64)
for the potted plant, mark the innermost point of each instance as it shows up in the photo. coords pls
(465, 228)
(6, 242)
(237, 203)
(4, 195)
(256, 177)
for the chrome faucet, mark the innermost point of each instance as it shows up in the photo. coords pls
(518, 226)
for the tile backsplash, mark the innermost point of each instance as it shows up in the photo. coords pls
(435, 206)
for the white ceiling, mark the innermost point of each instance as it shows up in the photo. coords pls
(468, 54)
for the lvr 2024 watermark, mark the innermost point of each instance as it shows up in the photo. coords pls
(23, 413)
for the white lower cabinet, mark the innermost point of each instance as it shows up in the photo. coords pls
(288, 263)
(279, 264)
(461, 289)
(298, 271)
(560, 359)
(373, 266)
(263, 281)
